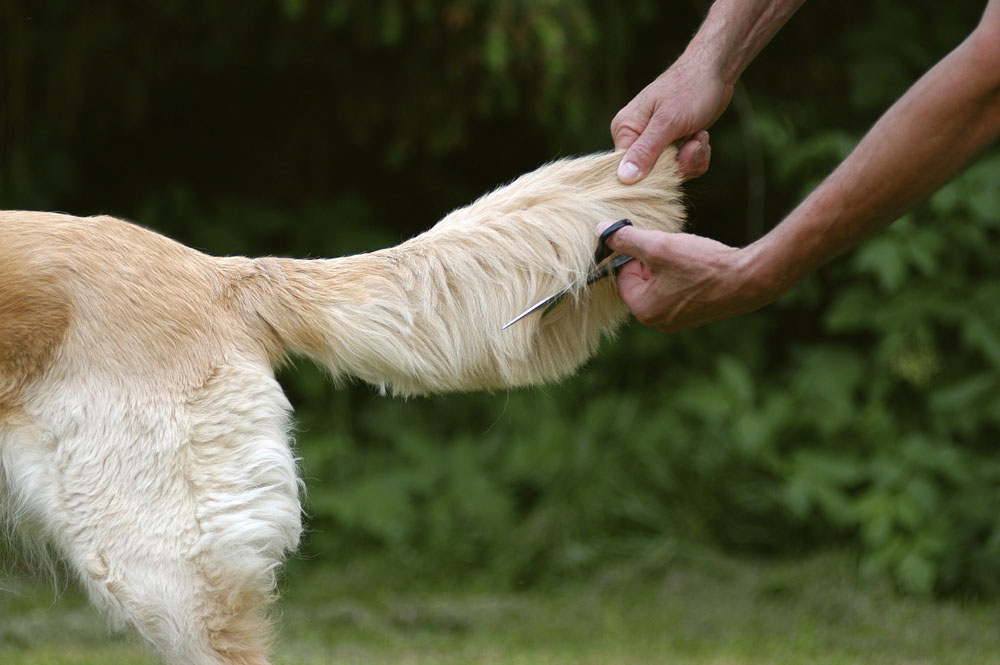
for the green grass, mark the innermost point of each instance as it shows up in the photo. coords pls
(706, 612)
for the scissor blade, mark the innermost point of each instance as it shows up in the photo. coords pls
(544, 302)
(597, 274)
(606, 262)
(605, 269)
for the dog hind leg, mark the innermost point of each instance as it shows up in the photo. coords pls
(126, 540)
(195, 607)
(244, 476)
(175, 517)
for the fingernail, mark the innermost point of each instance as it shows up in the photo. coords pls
(628, 171)
(600, 227)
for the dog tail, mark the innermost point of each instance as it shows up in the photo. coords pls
(426, 315)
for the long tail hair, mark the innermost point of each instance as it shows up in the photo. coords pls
(426, 315)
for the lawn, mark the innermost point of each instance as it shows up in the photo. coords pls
(709, 611)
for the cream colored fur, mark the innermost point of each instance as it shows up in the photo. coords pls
(142, 432)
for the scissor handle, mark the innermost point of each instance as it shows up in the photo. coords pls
(603, 251)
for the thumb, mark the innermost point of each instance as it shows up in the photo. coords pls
(630, 240)
(642, 154)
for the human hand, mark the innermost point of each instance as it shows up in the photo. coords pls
(680, 280)
(681, 103)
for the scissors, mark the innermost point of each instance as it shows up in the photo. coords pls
(604, 265)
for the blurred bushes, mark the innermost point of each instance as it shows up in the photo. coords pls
(876, 426)
(863, 408)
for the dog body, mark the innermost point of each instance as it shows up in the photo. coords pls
(143, 434)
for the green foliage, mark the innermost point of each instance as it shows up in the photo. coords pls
(878, 427)
(922, 458)
(862, 409)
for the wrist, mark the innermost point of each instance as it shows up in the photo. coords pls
(735, 31)
(767, 274)
(719, 48)
(708, 54)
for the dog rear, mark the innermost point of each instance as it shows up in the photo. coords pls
(142, 432)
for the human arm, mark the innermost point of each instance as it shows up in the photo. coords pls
(691, 95)
(921, 142)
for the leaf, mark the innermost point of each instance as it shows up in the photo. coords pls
(379, 505)
(735, 376)
(293, 8)
(963, 394)
(392, 23)
(986, 338)
(495, 50)
(916, 573)
(853, 309)
(885, 260)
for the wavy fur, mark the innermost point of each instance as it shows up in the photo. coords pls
(142, 432)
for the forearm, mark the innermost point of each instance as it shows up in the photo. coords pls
(735, 31)
(920, 143)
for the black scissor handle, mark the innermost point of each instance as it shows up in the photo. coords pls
(603, 251)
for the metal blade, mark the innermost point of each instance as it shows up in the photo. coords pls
(544, 302)
(606, 263)
(597, 274)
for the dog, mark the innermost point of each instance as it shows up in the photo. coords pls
(144, 438)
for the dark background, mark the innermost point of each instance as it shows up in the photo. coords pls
(860, 412)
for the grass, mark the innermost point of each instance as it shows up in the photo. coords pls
(707, 612)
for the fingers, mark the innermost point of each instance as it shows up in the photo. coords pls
(639, 282)
(623, 135)
(633, 287)
(644, 148)
(694, 156)
(644, 131)
(629, 123)
(643, 151)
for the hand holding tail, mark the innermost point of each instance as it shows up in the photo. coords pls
(680, 280)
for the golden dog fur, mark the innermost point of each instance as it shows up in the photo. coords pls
(143, 435)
